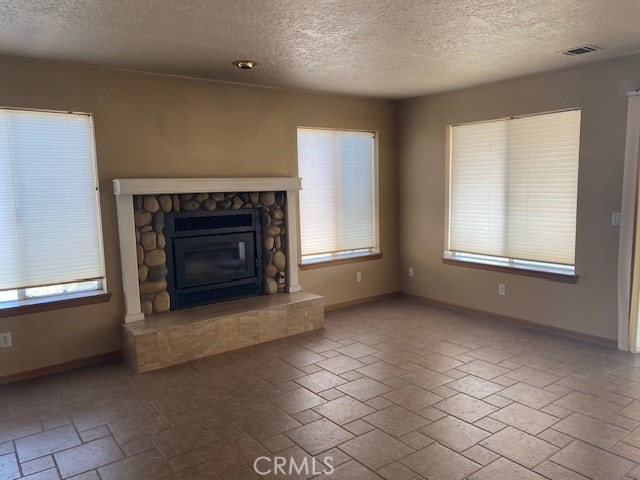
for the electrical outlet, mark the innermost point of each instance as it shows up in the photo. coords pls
(358, 277)
(616, 219)
(502, 289)
(5, 340)
(410, 272)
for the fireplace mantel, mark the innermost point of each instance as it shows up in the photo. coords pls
(125, 188)
(151, 186)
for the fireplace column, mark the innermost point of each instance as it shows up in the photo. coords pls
(128, 258)
(291, 217)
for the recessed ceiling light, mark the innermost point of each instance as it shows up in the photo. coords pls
(244, 64)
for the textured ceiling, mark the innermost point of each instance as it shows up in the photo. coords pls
(383, 48)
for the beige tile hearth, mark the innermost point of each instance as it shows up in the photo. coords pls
(376, 408)
(176, 337)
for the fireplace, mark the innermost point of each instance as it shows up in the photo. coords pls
(142, 204)
(233, 228)
(212, 256)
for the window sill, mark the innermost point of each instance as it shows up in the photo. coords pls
(11, 309)
(341, 261)
(527, 272)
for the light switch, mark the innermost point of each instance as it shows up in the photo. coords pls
(616, 219)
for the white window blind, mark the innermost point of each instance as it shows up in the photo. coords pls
(513, 187)
(337, 201)
(50, 230)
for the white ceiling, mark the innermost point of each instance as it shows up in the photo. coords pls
(383, 48)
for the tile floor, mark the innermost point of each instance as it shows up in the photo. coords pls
(393, 389)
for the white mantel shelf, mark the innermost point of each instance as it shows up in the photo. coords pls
(154, 186)
(125, 188)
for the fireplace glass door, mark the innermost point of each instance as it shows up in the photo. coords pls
(213, 259)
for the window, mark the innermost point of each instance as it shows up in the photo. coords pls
(512, 192)
(338, 212)
(50, 240)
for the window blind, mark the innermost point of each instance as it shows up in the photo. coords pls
(337, 198)
(513, 187)
(48, 200)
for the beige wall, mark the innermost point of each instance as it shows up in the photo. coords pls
(590, 306)
(152, 125)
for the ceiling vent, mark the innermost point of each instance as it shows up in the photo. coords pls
(572, 52)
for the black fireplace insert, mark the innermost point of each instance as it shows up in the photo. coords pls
(212, 256)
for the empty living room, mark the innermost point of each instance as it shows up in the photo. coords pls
(329, 240)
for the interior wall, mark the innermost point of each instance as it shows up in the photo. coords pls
(589, 306)
(161, 126)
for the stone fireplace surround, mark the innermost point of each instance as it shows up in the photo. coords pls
(149, 217)
(128, 191)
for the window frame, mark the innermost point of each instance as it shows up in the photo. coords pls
(32, 304)
(346, 256)
(549, 271)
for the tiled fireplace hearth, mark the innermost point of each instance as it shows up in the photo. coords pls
(177, 337)
(260, 214)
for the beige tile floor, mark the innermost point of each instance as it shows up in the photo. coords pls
(393, 389)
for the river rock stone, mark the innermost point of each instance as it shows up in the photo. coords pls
(210, 205)
(268, 243)
(143, 270)
(267, 198)
(176, 203)
(270, 286)
(270, 271)
(147, 307)
(157, 273)
(190, 205)
(142, 218)
(158, 221)
(148, 241)
(279, 260)
(165, 203)
(151, 204)
(271, 231)
(161, 302)
(140, 254)
(236, 203)
(155, 257)
(152, 287)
